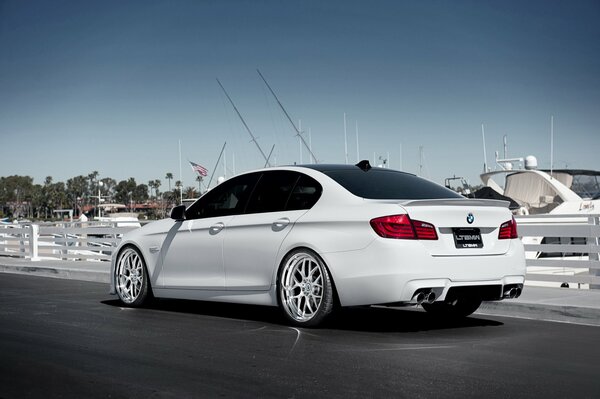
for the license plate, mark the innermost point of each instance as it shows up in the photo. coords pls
(467, 238)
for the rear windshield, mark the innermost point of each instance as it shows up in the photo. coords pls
(388, 184)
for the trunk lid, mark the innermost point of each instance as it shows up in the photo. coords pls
(458, 223)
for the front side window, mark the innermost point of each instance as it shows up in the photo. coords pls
(228, 198)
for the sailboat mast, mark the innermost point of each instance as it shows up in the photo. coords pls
(551, 144)
(244, 123)
(421, 160)
(298, 132)
(300, 141)
(269, 157)
(310, 143)
(401, 166)
(345, 141)
(216, 165)
(485, 167)
(357, 152)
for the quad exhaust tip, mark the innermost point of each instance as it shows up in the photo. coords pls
(424, 296)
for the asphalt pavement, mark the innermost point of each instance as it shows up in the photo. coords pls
(62, 338)
(538, 303)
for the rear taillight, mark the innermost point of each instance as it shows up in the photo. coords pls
(402, 227)
(508, 230)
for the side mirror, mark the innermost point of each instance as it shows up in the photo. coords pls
(178, 213)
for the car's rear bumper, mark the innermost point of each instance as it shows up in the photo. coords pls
(389, 271)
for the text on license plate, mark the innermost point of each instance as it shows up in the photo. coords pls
(467, 238)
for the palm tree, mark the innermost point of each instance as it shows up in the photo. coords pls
(156, 186)
(151, 185)
(169, 177)
(177, 192)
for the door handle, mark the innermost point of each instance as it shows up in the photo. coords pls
(216, 228)
(280, 224)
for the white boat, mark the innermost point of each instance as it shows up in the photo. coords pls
(543, 192)
(117, 213)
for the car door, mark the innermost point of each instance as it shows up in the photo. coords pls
(253, 239)
(194, 258)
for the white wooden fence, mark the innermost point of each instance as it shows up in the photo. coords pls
(562, 248)
(92, 241)
(569, 254)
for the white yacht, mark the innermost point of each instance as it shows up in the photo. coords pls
(561, 191)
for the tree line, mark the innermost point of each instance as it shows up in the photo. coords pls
(21, 198)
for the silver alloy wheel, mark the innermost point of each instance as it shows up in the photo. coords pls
(301, 289)
(129, 276)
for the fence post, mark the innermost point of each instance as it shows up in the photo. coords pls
(33, 242)
(594, 221)
(22, 240)
(65, 250)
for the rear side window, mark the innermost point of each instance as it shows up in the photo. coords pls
(306, 193)
(283, 191)
(388, 184)
(272, 192)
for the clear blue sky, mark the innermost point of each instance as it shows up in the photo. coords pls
(113, 85)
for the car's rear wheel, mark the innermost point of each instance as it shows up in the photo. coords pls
(131, 278)
(455, 308)
(305, 290)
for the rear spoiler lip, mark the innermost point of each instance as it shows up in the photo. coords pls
(456, 202)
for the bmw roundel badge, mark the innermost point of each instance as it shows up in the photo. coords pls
(470, 218)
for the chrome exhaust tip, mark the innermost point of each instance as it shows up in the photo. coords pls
(430, 298)
(419, 298)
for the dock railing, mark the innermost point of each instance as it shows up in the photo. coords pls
(90, 241)
(559, 248)
(562, 248)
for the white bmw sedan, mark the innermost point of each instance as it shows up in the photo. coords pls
(311, 238)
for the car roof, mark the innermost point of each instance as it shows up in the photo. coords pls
(336, 167)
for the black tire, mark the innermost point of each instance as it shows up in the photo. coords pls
(304, 289)
(456, 308)
(131, 278)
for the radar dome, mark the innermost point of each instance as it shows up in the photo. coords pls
(530, 162)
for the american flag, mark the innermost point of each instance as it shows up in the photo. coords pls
(202, 171)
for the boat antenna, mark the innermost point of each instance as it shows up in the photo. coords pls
(298, 133)
(216, 165)
(245, 124)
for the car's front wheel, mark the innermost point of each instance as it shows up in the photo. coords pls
(131, 278)
(305, 290)
(456, 308)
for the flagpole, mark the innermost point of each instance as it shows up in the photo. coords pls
(180, 177)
